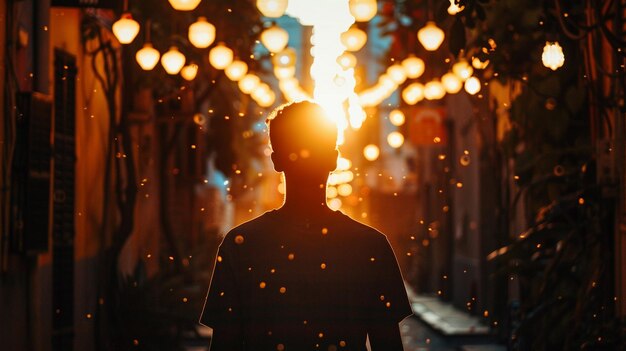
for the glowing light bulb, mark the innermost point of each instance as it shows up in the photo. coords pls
(395, 139)
(220, 56)
(472, 85)
(353, 39)
(173, 60)
(344, 189)
(462, 69)
(478, 64)
(125, 29)
(396, 117)
(413, 93)
(284, 72)
(147, 57)
(413, 66)
(184, 5)
(434, 90)
(236, 70)
(267, 99)
(285, 58)
(189, 72)
(552, 56)
(248, 83)
(430, 36)
(201, 33)
(274, 38)
(453, 9)
(363, 10)
(397, 73)
(272, 8)
(347, 60)
(451, 83)
(371, 152)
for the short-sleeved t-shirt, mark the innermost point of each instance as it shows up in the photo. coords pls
(289, 286)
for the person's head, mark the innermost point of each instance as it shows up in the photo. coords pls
(303, 141)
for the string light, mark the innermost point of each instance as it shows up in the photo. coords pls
(413, 66)
(472, 85)
(285, 58)
(395, 139)
(220, 56)
(462, 69)
(274, 38)
(353, 39)
(126, 28)
(397, 73)
(236, 70)
(434, 90)
(248, 83)
(201, 33)
(346, 60)
(396, 117)
(413, 93)
(451, 83)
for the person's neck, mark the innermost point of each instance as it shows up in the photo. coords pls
(305, 201)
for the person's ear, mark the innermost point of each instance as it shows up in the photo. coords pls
(278, 162)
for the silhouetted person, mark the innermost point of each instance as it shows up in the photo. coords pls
(304, 277)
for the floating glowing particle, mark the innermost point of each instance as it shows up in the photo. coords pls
(291, 257)
(324, 231)
(323, 265)
(279, 347)
(262, 285)
(239, 240)
(282, 290)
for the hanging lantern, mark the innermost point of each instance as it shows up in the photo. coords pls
(285, 58)
(236, 70)
(413, 66)
(248, 83)
(184, 5)
(552, 56)
(147, 57)
(434, 90)
(453, 9)
(173, 60)
(272, 8)
(462, 69)
(430, 36)
(451, 83)
(353, 39)
(363, 10)
(346, 60)
(472, 85)
(413, 94)
(126, 28)
(395, 139)
(201, 33)
(396, 117)
(189, 72)
(284, 72)
(274, 38)
(371, 152)
(396, 73)
(220, 56)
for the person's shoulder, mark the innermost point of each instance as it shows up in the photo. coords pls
(364, 231)
(239, 233)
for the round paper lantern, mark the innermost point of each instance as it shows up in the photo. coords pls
(430, 36)
(220, 56)
(363, 10)
(274, 38)
(201, 33)
(173, 60)
(189, 72)
(126, 28)
(147, 57)
(184, 5)
(272, 8)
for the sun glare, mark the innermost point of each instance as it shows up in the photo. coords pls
(334, 84)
